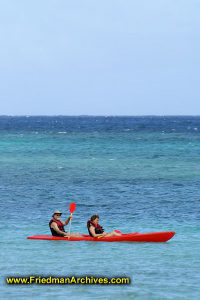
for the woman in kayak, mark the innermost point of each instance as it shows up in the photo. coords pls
(95, 230)
(57, 226)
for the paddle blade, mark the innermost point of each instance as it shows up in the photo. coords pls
(72, 207)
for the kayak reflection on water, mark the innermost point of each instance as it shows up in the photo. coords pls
(95, 230)
(57, 226)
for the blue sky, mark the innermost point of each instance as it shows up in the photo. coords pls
(105, 57)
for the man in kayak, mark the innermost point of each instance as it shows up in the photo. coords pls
(95, 230)
(57, 225)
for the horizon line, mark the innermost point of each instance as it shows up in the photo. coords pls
(88, 115)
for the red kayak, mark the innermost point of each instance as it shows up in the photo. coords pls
(129, 237)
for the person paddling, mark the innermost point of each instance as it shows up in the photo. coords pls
(95, 230)
(57, 225)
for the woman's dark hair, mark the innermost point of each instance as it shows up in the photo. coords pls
(94, 217)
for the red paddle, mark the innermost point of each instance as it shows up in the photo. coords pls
(72, 208)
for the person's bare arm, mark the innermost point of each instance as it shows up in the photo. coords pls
(55, 227)
(67, 221)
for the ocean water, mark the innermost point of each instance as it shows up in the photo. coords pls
(138, 173)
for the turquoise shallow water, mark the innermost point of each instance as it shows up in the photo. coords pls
(138, 173)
